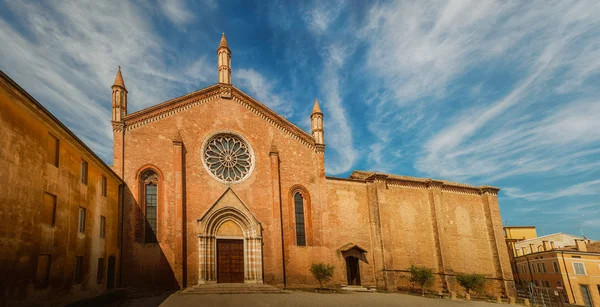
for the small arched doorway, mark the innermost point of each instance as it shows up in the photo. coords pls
(353, 271)
(352, 254)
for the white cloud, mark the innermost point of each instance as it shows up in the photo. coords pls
(66, 55)
(585, 188)
(176, 11)
(338, 133)
(262, 89)
(423, 55)
(320, 16)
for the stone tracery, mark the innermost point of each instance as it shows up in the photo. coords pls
(228, 157)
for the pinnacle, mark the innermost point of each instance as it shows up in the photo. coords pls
(223, 41)
(119, 79)
(316, 108)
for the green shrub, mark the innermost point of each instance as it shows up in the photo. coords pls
(322, 272)
(471, 281)
(423, 276)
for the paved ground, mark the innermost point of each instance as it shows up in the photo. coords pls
(301, 298)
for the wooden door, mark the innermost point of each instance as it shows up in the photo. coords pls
(353, 271)
(230, 261)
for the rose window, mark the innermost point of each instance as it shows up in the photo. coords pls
(228, 157)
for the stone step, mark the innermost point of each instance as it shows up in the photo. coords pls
(231, 289)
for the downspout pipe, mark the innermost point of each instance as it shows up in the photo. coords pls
(121, 200)
(562, 254)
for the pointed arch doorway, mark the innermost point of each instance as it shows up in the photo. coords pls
(229, 243)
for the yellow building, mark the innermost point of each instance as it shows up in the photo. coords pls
(59, 207)
(560, 262)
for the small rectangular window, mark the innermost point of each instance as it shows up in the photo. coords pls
(84, 172)
(102, 226)
(544, 267)
(49, 209)
(539, 269)
(100, 273)
(43, 270)
(103, 186)
(578, 257)
(579, 268)
(555, 264)
(82, 213)
(559, 283)
(78, 273)
(53, 150)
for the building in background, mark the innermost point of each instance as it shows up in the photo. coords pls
(564, 263)
(59, 207)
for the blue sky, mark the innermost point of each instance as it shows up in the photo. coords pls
(500, 93)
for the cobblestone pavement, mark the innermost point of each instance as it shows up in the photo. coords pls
(301, 298)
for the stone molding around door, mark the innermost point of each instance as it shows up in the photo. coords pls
(229, 208)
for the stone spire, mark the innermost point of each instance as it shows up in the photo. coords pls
(119, 98)
(223, 41)
(224, 60)
(316, 122)
(316, 107)
(119, 79)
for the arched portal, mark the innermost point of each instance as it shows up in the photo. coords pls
(227, 232)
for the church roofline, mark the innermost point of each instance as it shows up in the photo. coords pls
(178, 104)
(133, 117)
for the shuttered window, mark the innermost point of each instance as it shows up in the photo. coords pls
(299, 212)
(82, 213)
(84, 172)
(100, 273)
(49, 209)
(43, 270)
(579, 268)
(78, 272)
(102, 227)
(53, 150)
(103, 188)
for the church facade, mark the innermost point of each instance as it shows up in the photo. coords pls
(221, 189)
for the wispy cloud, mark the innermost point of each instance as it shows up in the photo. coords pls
(176, 11)
(320, 16)
(423, 54)
(584, 188)
(262, 89)
(338, 133)
(66, 54)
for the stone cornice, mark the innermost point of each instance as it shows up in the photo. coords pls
(118, 126)
(425, 183)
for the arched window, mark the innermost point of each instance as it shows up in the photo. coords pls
(149, 180)
(299, 212)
